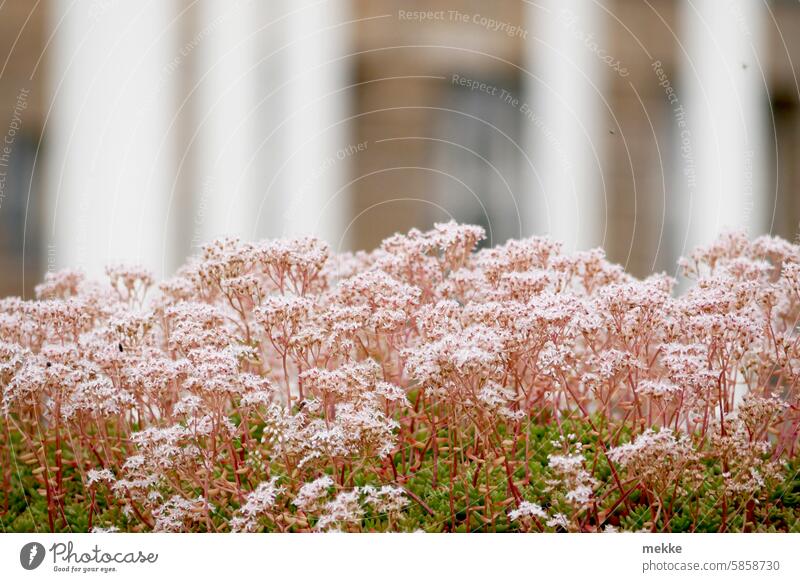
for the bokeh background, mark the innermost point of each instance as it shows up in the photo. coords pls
(135, 131)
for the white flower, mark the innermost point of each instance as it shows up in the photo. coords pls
(99, 475)
(527, 509)
(310, 494)
(258, 504)
(558, 520)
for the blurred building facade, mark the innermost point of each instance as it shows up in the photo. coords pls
(142, 130)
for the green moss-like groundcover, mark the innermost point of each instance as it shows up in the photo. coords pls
(699, 508)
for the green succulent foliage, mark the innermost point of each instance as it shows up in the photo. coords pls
(23, 507)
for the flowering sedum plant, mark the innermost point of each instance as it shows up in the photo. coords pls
(426, 385)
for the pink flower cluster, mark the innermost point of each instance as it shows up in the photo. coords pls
(277, 386)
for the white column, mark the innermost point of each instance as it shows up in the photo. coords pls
(721, 161)
(226, 134)
(110, 158)
(564, 83)
(271, 102)
(318, 144)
